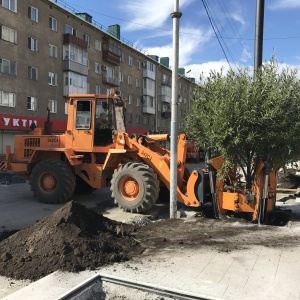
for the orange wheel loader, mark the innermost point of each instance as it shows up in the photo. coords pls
(95, 151)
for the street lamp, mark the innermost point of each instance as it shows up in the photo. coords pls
(176, 15)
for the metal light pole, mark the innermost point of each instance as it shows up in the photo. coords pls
(176, 15)
(259, 31)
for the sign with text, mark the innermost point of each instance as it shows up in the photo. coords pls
(14, 122)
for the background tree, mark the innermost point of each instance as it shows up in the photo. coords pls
(244, 117)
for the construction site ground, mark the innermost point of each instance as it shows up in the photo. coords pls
(214, 259)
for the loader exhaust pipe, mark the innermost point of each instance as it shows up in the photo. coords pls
(48, 124)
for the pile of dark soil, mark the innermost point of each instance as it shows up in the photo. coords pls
(72, 238)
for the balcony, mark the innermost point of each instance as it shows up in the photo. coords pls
(74, 40)
(149, 110)
(149, 92)
(111, 52)
(166, 82)
(166, 114)
(68, 89)
(115, 81)
(69, 65)
(149, 74)
(165, 98)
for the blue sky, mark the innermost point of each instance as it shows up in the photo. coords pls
(148, 25)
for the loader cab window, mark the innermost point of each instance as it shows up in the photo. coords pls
(83, 114)
(104, 122)
(104, 118)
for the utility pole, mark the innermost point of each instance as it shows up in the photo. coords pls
(259, 32)
(176, 15)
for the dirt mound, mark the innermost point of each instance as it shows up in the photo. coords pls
(73, 238)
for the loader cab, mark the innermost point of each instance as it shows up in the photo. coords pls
(96, 119)
(104, 121)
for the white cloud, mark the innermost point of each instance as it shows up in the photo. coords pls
(287, 4)
(246, 55)
(204, 69)
(145, 13)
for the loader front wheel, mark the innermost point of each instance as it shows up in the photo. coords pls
(135, 187)
(52, 181)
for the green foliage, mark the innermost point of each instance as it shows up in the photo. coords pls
(244, 116)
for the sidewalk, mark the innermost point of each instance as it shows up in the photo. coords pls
(256, 272)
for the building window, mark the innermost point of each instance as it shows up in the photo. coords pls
(129, 118)
(122, 57)
(7, 99)
(138, 83)
(9, 4)
(129, 61)
(145, 120)
(97, 89)
(86, 37)
(8, 67)
(32, 44)
(138, 65)
(97, 45)
(137, 119)
(97, 68)
(52, 105)
(138, 101)
(70, 30)
(52, 78)
(52, 23)
(33, 13)
(129, 99)
(32, 73)
(151, 67)
(152, 102)
(52, 51)
(31, 103)
(66, 108)
(121, 76)
(8, 34)
(129, 80)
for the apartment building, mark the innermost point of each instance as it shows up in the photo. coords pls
(48, 51)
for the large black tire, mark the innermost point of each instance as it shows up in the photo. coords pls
(83, 188)
(135, 187)
(52, 181)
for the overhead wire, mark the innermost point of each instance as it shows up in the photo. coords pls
(221, 28)
(188, 33)
(233, 26)
(215, 31)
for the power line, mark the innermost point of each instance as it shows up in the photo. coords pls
(212, 25)
(182, 32)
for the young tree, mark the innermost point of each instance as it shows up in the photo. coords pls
(246, 117)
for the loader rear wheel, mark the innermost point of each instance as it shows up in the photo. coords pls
(135, 187)
(52, 181)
